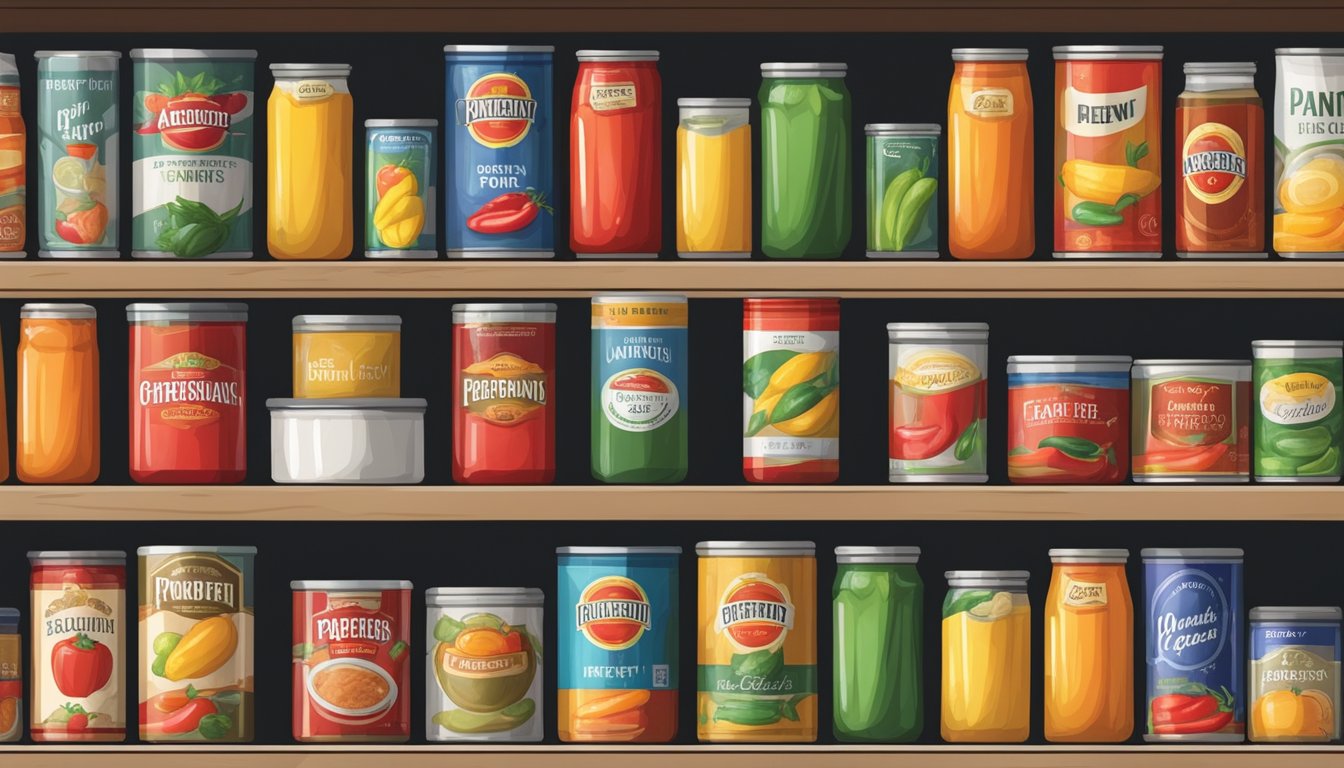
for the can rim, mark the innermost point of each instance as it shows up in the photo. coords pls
(1089, 555)
(976, 328)
(903, 129)
(337, 69)
(1107, 52)
(305, 585)
(756, 548)
(1192, 553)
(1105, 359)
(93, 555)
(615, 54)
(187, 311)
(1229, 362)
(1309, 51)
(638, 550)
(1220, 68)
(725, 102)
(804, 69)
(476, 596)
(57, 311)
(1022, 576)
(1296, 343)
(1297, 613)
(9, 613)
(401, 122)
(76, 54)
(499, 48)
(516, 309)
(193, 53)
(990, 54)
(170, 549)
(877, 555)
(418, 404)
(651, 298)
(345, 322)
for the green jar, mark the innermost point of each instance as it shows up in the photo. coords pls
(902, 189)
(1298, 419)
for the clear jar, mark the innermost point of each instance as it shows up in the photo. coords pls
(714, 179)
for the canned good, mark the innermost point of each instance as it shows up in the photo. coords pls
(1299, 424)
(714, 179)
(78, 646)
(191, 153)
(757, 654)
(1196, 656)
(1192, 421)
(57, 434)
(639, 420)
(791, 390)
(1068, 418)
(347, 356)
(504, 427)
(938, 402)
(13, 174)
(902, 190)
(352, 661)
(196, 650)
(986, 657)
(1308, 153)
(399, 189)
(78, 148)
(499, 150)
(372, 440)
(188, 381)
(618, 673)
(11, 676)
(1295, 688)
(309, 163)
(484, 660)
(4, 422)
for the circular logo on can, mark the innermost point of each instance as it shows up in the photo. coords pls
(639, 400)
(1213, 162)
(613, 613)
(1297, 398)
(498, 110)
(1190, 620)
(755, 613)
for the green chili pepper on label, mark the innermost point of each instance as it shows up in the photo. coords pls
(913, 209)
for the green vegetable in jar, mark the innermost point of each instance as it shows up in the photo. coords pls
(914, 207)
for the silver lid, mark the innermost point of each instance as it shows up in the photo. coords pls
(987, 578)
(1309, 51)
(402, 122)
(9, 616)
(198, 311)
(77, 55)
(178, 54)
(804, 69)
(347, 404)
(1193, 553)
(339, 323)
(499, 49)
(310, 70)
(179, 550)
(591, 54)
(1107, 52)
(989, 54)
(618, 550)
(966, 332)
(627, 298)
(1220, 68)
(91, 556)
(1192, 361)
(350, 586)
(877, 555)
(506, 311)
(756, 549)
(1104, 556)
(1329, 613)
(484, 596)
(715, 103)
(903, 129)
(58, 312)
(1055, 359)
(1298, 343)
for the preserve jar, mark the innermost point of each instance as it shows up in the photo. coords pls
(986, 657)
(714, 179)
(57, 404)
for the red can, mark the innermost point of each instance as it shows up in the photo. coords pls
(188, 367)
(504, 423)
(1068, 419)
(615, 162)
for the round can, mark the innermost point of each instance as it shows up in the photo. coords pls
(369, 440)
(757, 651)
(1195, 645)
(188, 400)
(78, 646)
(938, 394)
(347, 356)
(504, 390)
(1068, 419)
(902, 162)
(1295, 668)
(1108, 154)
(791, 390)
(58, 429)
(986, 676)
(11, 676)
(483, 666)
(191, 153)
(399, 189)
(1299, 420)
(78, 150)
(1308, 195)
(499, 151)
(714, 178)
(618, 671)
(1191, 421)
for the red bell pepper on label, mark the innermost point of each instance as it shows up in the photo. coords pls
(1178, 713)
(81, 666)
(508, 212)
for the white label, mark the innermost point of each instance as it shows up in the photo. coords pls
(1102, 114)
(79, 645)
(1309, 96)
(988, 102)
(1297, 398)
(219, 181)
(639, 400)
(605, 97)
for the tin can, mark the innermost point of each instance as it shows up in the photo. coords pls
(11, 676)
(484, 675)
(791, 390)
(986, 685)
(1192, 421)
(714, 178)
(399, 189)
(902, 190)
(196, 649)
(1108, 152)
(1295, 688)
(1308, 189)
(188, 392)
(499, 151)
(504, 425)
(938, 393)
(351, 661)
(58, 428)
(191, 153)
(78, 646)
(618, 672)
(347, 356)
(1068, 418)
(357, 440)
(13, 168)
(1299, 425)
(639, 420)
(78, 150)
(757, 654)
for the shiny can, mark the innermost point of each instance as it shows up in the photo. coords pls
(58, 429)
(903, 169)
(1308, 191)
(400, 189)
(1068, 418)
(1191, 421)
(714, 179)
(938, 402)
(1294, 679)
(1299, 420)
(11, 676)
(344, 356)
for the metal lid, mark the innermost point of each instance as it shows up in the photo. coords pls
(1298, 343)
(877, 555)
(1220, 68)
(1094, 359)
(802, 69)
(402, 122)
(206, 312)
(1196, 553)
(1192, 361)
(58, 312)
(970, 332)
(903, 129)
(1107, 52)
(77, 55)
(8, 66)
(335, 323)
(343, 586)
(756, 549)
(90, 556)
(635, 297)
(989, 54)
(987, 578)
(590, 54)
(179, 550)
(484, 596)
(506, 311)
(1328, 613)
(310, 70)
(499, 49)
(1089, 555)
(1309, 51)
(618, 550)
(347, 404)
(192, 53)
(715, 103)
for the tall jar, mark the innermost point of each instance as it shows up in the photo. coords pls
(986, 657)
(714, 179)
(805, 161)
(57, 402)
(4, 421)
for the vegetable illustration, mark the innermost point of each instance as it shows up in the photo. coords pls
(1096, 194)
(399, 216)
(81, 666)
(801, 393)
(204, 649)
(194, 229)
(1201, 710)
(74, 717)
(905, 204)
(196, 129)
(1293, 712)
(84, 223)
(509, 212)
(756, 711)
(176, 713)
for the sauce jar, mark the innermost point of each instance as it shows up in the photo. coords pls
(58, 400)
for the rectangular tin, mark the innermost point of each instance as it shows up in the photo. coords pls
(401, 161)
(1191, 421)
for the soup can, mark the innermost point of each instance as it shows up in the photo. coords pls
(1192, 421)
(57, 432)
(986, 674)
(484, 675)
(1108, 151)
(938, 393)
(78, 646)
(499, 151)
(757, 654)
(352, 661)
(1196, 657)
(11, 676)
(902, 190)
(714, 178)
(618, 674)
(1308, 193)
(1068, 419)
(347, 356)
(401, 158)
(1299, 425)
(13, 169)
(196, 623)
(1295, 668)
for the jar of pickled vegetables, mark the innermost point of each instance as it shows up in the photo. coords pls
(986, 657)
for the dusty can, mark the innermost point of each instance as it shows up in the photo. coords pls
(399, 189)
(1294, 680)
(11, 676)
(1191, 421)
(1299, 421)
(1308, 193)
(903, 190)
(938, 390)
(347, 356)
(1068, 418)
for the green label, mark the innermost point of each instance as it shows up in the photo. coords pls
(77, 154)
(1298, 420)
(902, 193)
(399, 189)
(757, 689)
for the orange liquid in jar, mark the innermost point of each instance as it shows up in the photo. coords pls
(57, 402)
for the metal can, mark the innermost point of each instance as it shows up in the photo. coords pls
(1108, 152)
(986, 683)
(1068, 418)
(902, 190)
(938, 392)
(191, 153)
(196, 649)
(484, 664)
(11, 676)
(1308, 191)
(78, 151)
(499, 154)
(1191, 421)
(1299, 425)
(1295, 668)
(714, 178)
(356, 440)
(13, 171)
(399, 189)
(618, 672)
(347, 356)
(58, 428)
(757, 653)
(791, 390)
(1196, 652)
(504, 390)
(78, 646)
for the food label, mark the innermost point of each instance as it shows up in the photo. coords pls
(642, 365)
(485, 674)
(1299, 419)
(311, 91)
(1090, 115)
(1213, 162)
(1295, 682)
(1084, 594)
(937, 409)
(791, 397)
(400, 190)
(988, 102)
(1193, 424)
(498, 110)
(1191, 412)
(608, 97)
(79, 645)
(755, 613)
(347, 364)
(1068, 428)
(504, 389)
(11, 688)
(613, 613)
(189, 389)
(78, 150)
(1297, 398)
(1308, 193)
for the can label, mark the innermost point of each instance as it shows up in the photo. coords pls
(938, 398)
(400, 191)
(11, 688)
(78, 157)
(1192, 424)
(1220, 162)
(347, 364)
(1068, 427)
(13, 187)
(1308, 154)
(791, 398)
(485, 674)
(1298, 421)
(902, 193)
(1295, 683)
(79, 647)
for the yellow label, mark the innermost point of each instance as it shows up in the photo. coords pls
(1297, 398)
(347, 364)
(640, 314)
(935, 370)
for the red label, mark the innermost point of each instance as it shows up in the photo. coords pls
(1219, 203)
(498, 110)
(1067, 433)
(1192, 426)
(1191, 412)
(613, 613)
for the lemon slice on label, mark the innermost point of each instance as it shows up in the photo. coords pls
(95, 181)
(68, 173)
(995, 608)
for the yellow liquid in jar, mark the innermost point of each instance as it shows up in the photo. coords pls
(987, 675)
(311, 183)
(714, 191)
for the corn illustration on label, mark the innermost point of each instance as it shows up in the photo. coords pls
(1309, 153)
(400, 191)
(791, 396)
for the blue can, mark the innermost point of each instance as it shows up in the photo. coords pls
(499, 202)
(399, 189)
(1196, 646)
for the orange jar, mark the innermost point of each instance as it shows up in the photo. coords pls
(57, 402)
(4, 428)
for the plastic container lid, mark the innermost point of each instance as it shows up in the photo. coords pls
(343, 586)
(499, 49)
(1107, 52)
(402, 122)
(989, 54)
(1297, 613)
(903, 129)
(178, 550)
(205, 312)
(804, 69)
(58, 312)
(1089, 555)
(591, 54)
(618, 550)
(474, 597)
(336, 323)
(877, 555)
(756, 549)
(174, 54)
(1196, 553)
(347, 404)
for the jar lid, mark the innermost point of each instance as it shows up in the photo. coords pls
(9, 620)
(618, 550)
(347, 404)
(804, 69)
(354, 585)
(58, 312)
(987, 578)
(590, 54)
(485, 596)
(402, 122)
(970, 332)
(1197, 553)
(1297, 613)
(1309, 51)
(205, 312)
(714, 103)
(317, 323)
(542, 312)
(1192, 362)
(499, 49)
(178, 54)
(310, 70)
(181, 550)
(1103, 556)
(877, 555)
(989, 54)
(629, 298)
(903, 129)
(1220, 68)
(77, 55)
(79, 557)
(756, 549)
(1107, 52)
(1318, 344)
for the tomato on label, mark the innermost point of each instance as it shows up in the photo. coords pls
(81, 666)
(389, 176)
(509, 212)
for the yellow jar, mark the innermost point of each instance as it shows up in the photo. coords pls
(986, 657)
(347, 356)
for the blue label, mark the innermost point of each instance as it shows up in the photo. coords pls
(1267, 636)
(1114, 380)
(641, 375)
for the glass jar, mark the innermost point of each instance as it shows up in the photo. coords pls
(57, 405)
(902, 185)
(986, 657)
(714, 179)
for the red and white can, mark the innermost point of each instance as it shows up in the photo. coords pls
(1192, 421)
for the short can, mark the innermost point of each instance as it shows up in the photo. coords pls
(714, 178)
(1299, 422)
(484, 673)
(351, 658)
(347, 356)
(1108, 152)
(1294, 674)
(903, 162)
(11, 676)
(1195, 645)
(196, 624)
(757, 648)
(401, 160)
(986, 670)
(938, 383)
(1191, 421)
(1068, 419)
(617, 660)
(365, 440)
(191, 153)
(1308, 192)
(499, 150)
